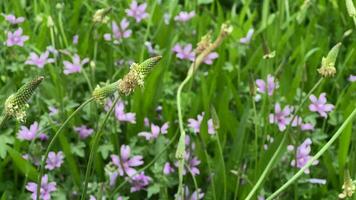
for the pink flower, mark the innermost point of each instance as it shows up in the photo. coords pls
(39, 61)
(118, 33)
(75, 66)
(184, 16)
(184, 52)
(16, 38)
(303, 156)
(83, 131)
(280, 117)
(352, 78)
(298, 122)
(54, 160)
(137, 11)
(75, 39)
(268, 87)
(125, 162)
(196, 195)
(122, 116)
(167, 169)
(28, 134)
(320, 105)
(12, 19)
(52, 110)
(195, 123)
(210, 57)
(211, 129)
(248, 37)
(139, 182)
(155, 131)
(46, 188)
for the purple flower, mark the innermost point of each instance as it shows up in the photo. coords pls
(192, 163)
(303, 156)
(137, 11)
(211, 129)
(43, 137)
(146, 122)
(260, 197)
(125, 162)
(320, 105)
(317, 181)
(120, 113)
(46, 188)
(184, 52)
(12, 19)
(210, 57)
(75, 39)
(352, 78)
(54, 160)
(40, 61)
(16, 38)
(155, 131)
(52, 50)
(297, 121)
(83, 131)
(150, 48)
(28, 134)
(76, 66)
(184, 16)
(167, 169)
(139, 182)
(248, 37)
(195, 123)
(52, 110)
(280, 117)
(118, 33)
(268, 87)
(196, 195)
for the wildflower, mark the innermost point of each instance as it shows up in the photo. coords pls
(267, 86)
(52, 50)
(280, 117)
(317, 181)
(352, 78)
(303, 156)
(146, 122)
(28, 134)
(192, 163)
(298, 122)
(46, 188)
(52, 110)
(83, 131)
(290, 147)
(54, 160)
(319, 105)
(12, 19)
(196, 195)
(269, 139)
(195, 123)
(122, 116)
(118, 33)
(43, 137)
(40, 61)
(16, 38)
(139, 182)
(137, 11)
(348, 187)
(150, 47)
(75, 39)
(155, 131)
(124, 163)
(328, 63)
(100, 15)
(167, 169)
(76, 66)
(184, 16)
(211, 129)
(184, 52)
(260, 197)
(16, 104)
(248, 37)
(210, 57)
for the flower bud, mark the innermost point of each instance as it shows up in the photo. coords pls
(348, 187)
(100, 15)
(101, 93)
(16, 104)
(327, 68)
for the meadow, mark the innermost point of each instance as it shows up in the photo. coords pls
(174, 99)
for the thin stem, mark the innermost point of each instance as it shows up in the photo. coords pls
(279, 149)
(146, 166)
(39, 179)
(317, 155)
(222, 163)
(94, 148)
(195, 183)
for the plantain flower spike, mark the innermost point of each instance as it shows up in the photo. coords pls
(100, 15)
(101, 93)
(327, 68)
(16, 104)
(136, 75)
(348, 187)
(204, 43)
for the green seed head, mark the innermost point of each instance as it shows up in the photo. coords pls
(327, 68)
(16, 104)
(101, 93)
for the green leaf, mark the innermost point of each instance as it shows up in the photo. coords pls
(204, 1)
(3, 147)
(78, 149)
(105, 149)
(153, 189)
(23, 165)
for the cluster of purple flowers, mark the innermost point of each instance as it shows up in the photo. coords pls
(31, 133)
(195, 124)
(187, 53)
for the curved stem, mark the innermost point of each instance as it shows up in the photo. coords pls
(94, 148)
(39, 179)
(317, 155)
(279, 149)
(148, 165)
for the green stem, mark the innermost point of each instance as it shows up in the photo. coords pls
(195, 183)
(94, 148)
(39, 179)
(4, 119)
(222, 163)
(279, 149)
(317, 155)
(148, 165)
